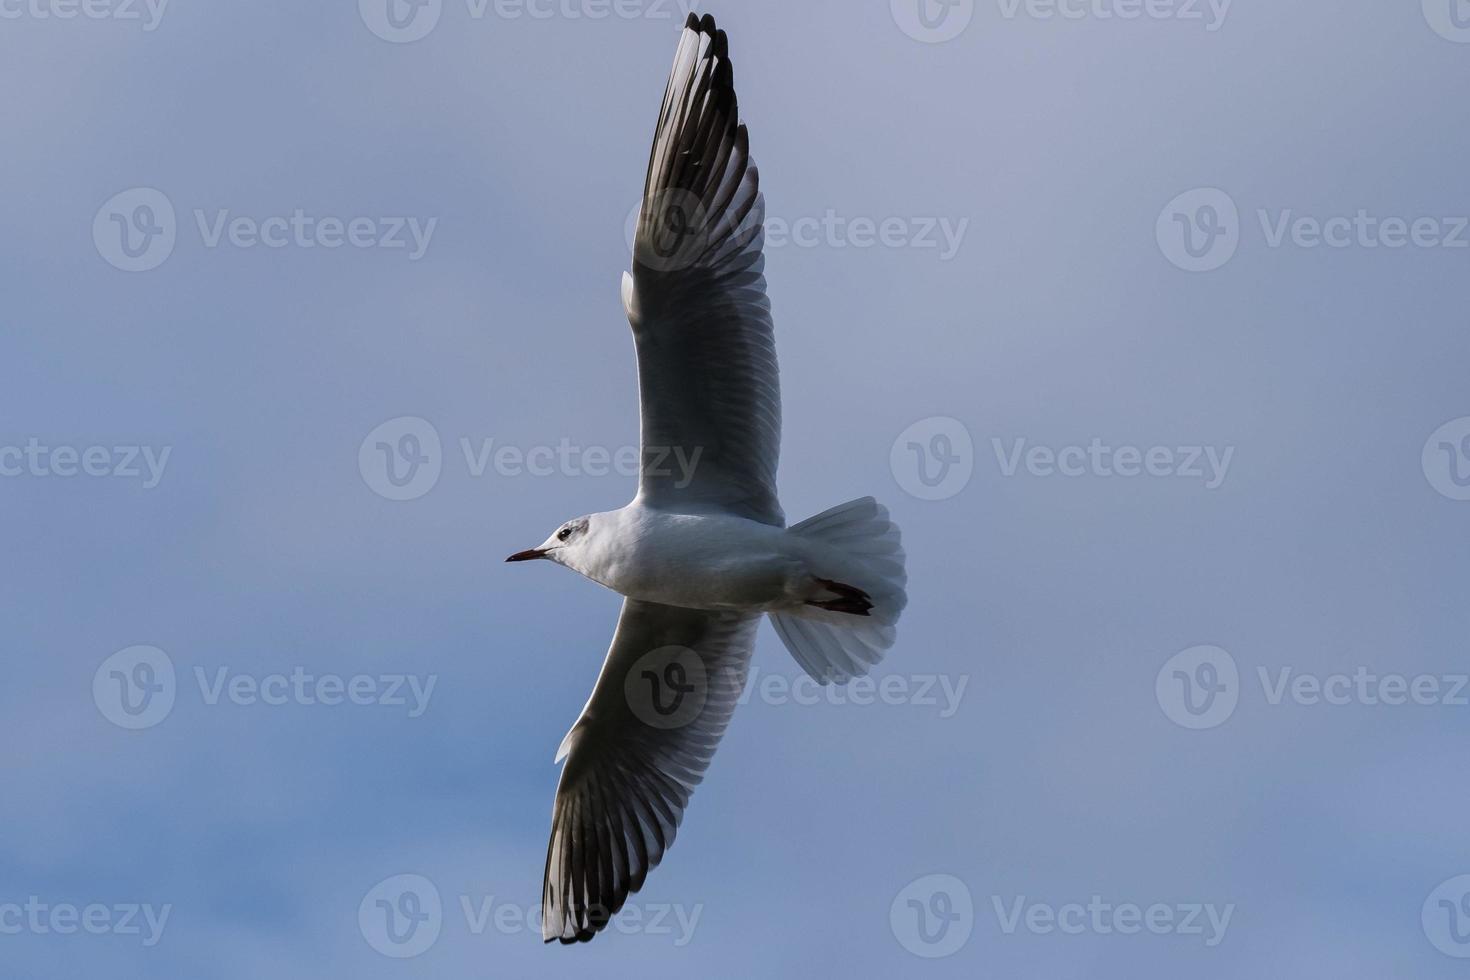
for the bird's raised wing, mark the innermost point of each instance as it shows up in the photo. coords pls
(668, 687)
(696, 299)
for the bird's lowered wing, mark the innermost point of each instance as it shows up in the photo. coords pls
(696, 299)
(671, 681)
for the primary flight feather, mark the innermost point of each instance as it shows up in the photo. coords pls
(699, 555)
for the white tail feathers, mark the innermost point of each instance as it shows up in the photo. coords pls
(863, 551)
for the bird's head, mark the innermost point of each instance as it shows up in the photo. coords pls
(568, 545)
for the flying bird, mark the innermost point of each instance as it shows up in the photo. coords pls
(703, 550)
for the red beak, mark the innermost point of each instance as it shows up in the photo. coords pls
(531, 555)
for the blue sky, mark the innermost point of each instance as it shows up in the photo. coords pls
(1087, 704)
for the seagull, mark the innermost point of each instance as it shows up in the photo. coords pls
(703, 550)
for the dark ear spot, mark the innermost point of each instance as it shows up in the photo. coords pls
(568, 531)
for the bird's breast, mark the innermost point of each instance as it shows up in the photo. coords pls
(705, 563)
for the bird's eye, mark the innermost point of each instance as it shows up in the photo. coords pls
(563, 534)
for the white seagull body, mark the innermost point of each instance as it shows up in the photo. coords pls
(701, 557)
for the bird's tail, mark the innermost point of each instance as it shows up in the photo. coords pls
(862, 568)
